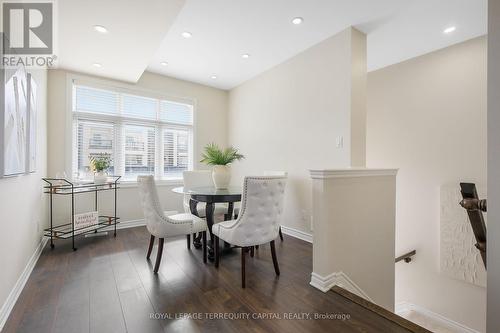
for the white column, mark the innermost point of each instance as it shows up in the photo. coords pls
(354, 214)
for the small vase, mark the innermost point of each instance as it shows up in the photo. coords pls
(100, 177)
(221, 175)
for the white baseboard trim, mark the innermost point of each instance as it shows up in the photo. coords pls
(405, 307)
(325, 283)
(127, 224)
(286, 230)
(297, 234)
(20, 283)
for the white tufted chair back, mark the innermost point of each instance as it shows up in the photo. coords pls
(156, 221)
(196, 178)
(261, 211)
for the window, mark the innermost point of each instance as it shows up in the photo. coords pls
(143, 135)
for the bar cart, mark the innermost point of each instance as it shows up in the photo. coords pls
(60, 186)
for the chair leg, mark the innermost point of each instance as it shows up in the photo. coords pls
(281, 235)
(151, 243)
(275, 260)
(252, 249)
(158, 256)
(243, 251)
(217, 250)
(204, 240)
(188, 238)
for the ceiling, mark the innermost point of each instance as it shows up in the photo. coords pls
(223, 30)
(135, 30)
(143, 34)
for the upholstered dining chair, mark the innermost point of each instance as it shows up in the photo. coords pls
(200, 178)
(259, 219)
(266, 173)
(161, 225)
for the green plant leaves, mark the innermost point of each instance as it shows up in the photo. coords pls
(100, 162)
(214, 155)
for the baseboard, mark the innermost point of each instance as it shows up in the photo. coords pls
(405, 307)
(325, 283)
(127, 224)
(297, 234)
(286, 230)
(20, 283)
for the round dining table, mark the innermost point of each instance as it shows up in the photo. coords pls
(210, 196)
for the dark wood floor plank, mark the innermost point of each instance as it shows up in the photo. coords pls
(105, 308)
(137, 311)
(73, 309)
(109, 286)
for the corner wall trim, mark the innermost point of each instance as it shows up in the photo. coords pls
(20, 283)
(405, 307)
(297, 234)
(325, 283)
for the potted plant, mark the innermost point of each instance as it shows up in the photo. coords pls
(99, 164)
(220, 159)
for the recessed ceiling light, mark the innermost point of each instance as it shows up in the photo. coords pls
(297, 20)
(101, 29)
(213, 77)
(245, 56)
(187, 34)
(449, 30)
(164, 63)
(97, 65)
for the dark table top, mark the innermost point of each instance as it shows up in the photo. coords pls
(209, 190)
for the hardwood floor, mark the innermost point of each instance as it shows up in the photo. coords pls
(108, 286)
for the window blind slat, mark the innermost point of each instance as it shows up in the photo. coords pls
(93, 139)
(139, 107)
(139, 124)
(176, 113)
(139, 151)
(175, 152)
(96, 100)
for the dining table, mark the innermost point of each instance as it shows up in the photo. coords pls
(210, 196)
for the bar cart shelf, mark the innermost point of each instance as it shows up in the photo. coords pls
(59, 186)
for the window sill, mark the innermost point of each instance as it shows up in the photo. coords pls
(159, 183)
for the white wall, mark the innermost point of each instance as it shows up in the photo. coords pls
(23, 206)
(289, 117)
(427, 116)
(493, 255)
(210, 126)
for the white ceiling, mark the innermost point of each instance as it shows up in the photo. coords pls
(135, 30)
(223, 30)
(144, 33)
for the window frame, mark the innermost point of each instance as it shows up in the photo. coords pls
(120, 121)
